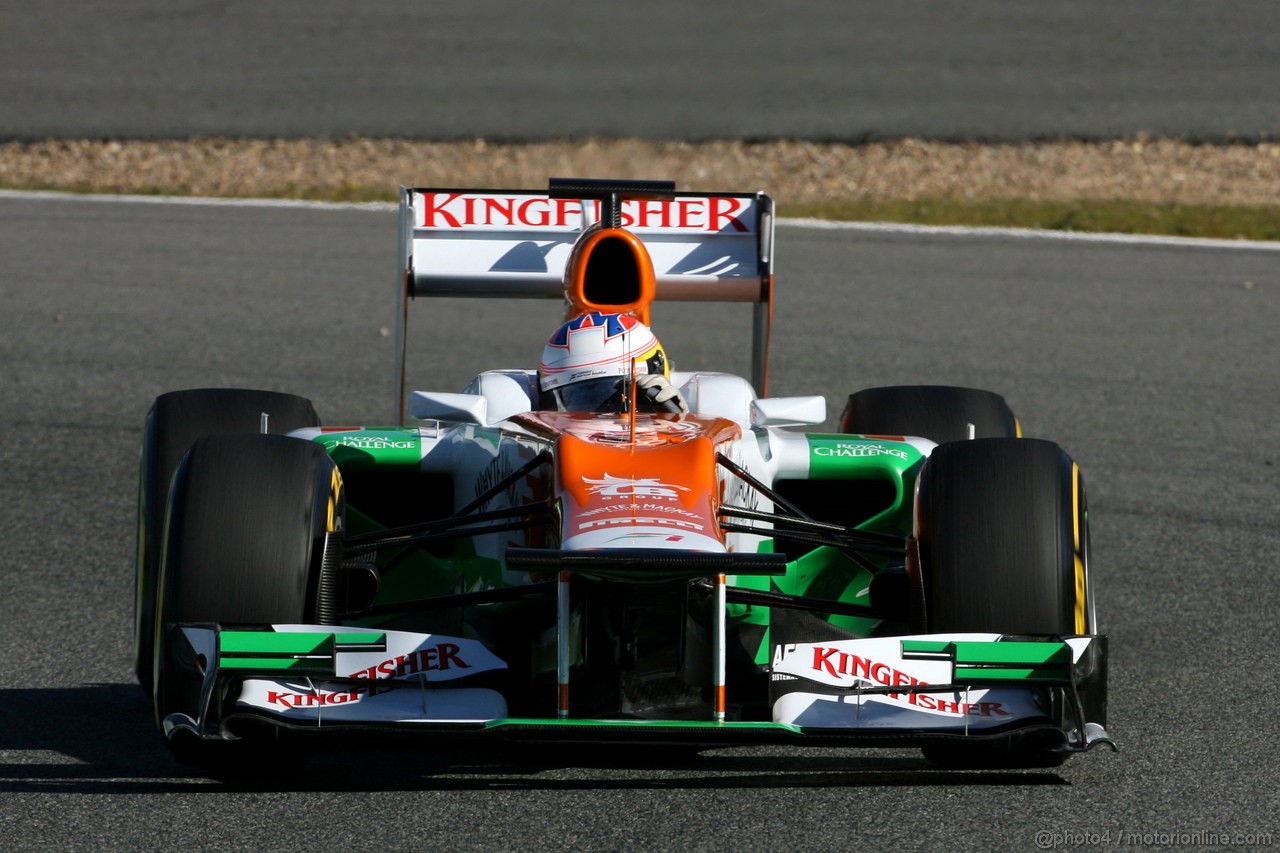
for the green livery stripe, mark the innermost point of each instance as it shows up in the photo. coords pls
(967, 652)
(977, 662)
(375, 447)
(297, 653)
(294, 642)
(310, 666)
(291, 652)
(269, 643)
(638, 724)
(272, 652)
(975, 674)
(843, 456)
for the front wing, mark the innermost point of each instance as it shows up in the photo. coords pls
(894, 691)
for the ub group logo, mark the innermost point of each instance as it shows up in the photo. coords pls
(621, 487)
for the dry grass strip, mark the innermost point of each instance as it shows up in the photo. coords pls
(795, 173)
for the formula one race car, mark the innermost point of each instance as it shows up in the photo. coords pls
(601, 549)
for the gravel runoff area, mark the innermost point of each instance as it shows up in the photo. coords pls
(1154, 171)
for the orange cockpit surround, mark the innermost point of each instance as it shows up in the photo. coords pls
(609, 270)
(661, 492)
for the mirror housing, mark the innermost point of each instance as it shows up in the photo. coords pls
(442, 406)
(788, 411)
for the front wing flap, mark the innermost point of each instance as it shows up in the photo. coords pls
(962, 684)
(312, 676)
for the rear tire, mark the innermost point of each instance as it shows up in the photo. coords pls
(1003, 548)
(174, 423)
(245, 532)
(939, 413)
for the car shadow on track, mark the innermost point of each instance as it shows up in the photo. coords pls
(100, 738)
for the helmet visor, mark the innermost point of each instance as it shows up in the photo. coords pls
(603, 394)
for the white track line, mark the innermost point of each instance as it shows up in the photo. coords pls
(1032, 234)
(196, 201)
(815, 224)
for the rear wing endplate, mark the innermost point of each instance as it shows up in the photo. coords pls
(705, 247)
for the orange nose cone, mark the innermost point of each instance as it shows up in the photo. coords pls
(609, 270)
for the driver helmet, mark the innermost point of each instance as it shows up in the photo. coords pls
(587, 364)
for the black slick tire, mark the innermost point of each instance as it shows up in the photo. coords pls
(173, 424)
(1003, 548)
(244, 540)
(940, 413)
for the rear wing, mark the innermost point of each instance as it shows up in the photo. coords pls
(705, 247)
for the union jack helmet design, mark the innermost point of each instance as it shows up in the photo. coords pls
(598, 345)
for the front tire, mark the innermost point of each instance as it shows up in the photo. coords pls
(1003, 548)
(174, 423)
(244, 540)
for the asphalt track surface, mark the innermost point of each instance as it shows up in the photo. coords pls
(823, 69)
(1155, 365)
